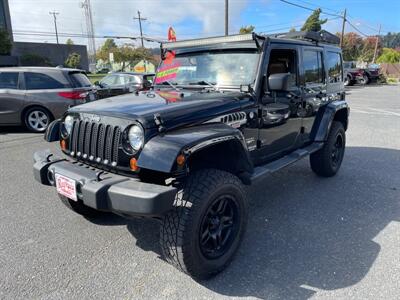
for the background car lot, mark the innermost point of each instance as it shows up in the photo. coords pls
(327, 238)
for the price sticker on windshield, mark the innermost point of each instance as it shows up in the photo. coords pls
(167, 72)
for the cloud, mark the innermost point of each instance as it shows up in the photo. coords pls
(190, 18)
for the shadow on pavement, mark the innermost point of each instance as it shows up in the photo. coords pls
(14, 129)
(306, 232)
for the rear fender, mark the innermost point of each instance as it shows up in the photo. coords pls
(337, 110)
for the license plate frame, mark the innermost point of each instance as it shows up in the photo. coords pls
(66, 187)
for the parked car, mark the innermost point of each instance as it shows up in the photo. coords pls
(122, 83)
(372, 72)
(182, 152)
(34, 96)
(353, 75)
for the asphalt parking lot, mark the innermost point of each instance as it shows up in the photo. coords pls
(308, 237)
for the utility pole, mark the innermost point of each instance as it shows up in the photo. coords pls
(343, 24)
(376, 44)
(87, 9)
(140, 26)
(226, 17)
(55, 13)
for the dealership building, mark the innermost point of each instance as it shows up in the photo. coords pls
(53, 54)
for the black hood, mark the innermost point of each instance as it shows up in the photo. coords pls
(175, 108)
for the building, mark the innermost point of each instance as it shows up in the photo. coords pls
(52, 54)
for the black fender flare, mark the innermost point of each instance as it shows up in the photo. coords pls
(325, 117)
(160, 153)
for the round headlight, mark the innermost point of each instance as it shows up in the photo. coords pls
(136, 137)
(68, 123)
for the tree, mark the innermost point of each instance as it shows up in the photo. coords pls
(246, 29)
(36, 60)
(5, 43)
(292, 29)
(108, 47)
(352, 46)
(389, 55)
(313, 23)
(69, 42)
(73, 60)
(129, 55)
(391, 40)
(368, 48)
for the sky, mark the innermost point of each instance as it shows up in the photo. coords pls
(192, 18)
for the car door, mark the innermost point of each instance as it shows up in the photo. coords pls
(280, 124)
(313, 84)
(11, 98)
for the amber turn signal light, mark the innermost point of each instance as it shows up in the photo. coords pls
(181, 159)
(63, 145)
(133, 164)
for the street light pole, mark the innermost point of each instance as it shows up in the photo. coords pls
(226, 17)
(55, 13)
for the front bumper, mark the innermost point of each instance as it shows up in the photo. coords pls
(105, 191)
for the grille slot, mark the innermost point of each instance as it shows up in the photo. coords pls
(93, 141)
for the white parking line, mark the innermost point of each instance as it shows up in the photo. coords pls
(374, 111)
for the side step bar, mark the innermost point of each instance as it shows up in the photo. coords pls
(285, 161)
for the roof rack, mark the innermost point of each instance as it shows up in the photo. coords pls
(322, 36)
(211, 41)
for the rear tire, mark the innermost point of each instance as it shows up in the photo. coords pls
(203, 232)
(79, 207)
(348, 81)
(327, 161)
(37, 119)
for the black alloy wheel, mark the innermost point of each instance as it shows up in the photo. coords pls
(219, 227)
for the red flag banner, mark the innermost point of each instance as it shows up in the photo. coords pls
(171, 35)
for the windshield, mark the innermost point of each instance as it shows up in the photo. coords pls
(220, 68)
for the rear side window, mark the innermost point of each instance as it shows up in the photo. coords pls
(313, 69)
(39, 81)
(80, 79)
(334, 62)
(9, 80)
(133, 79)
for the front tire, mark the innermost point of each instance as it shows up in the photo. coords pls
(326, 162)
(203, 232)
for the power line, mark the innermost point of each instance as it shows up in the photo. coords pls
(308, 8)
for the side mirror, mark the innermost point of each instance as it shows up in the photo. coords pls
(279, 82)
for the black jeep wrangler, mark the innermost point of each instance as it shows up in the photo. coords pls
(222, 113)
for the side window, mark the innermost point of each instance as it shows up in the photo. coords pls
(9, 80)
(38, 81)
(134, 79)
(283, 61)
(334, 62)
(313, 69)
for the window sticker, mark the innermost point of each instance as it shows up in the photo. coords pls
(167, 72)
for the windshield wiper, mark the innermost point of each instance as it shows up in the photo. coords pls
(170, 84)
(204, 82)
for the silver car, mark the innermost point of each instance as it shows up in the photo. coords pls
(34, 96)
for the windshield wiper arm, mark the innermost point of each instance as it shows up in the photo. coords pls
(170, 84)
(204, 82)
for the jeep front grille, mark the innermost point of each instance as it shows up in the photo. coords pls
(95, 142)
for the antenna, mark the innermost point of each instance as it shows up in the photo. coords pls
(90, 33)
